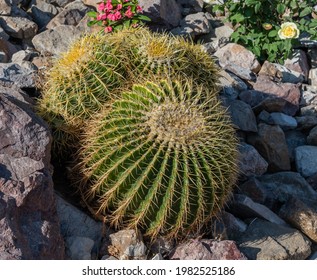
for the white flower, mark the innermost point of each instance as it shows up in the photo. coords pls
(288, 30)
(209, 1)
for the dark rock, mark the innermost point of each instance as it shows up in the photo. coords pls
(271, 144)
(306, 160)
(251, 163)
(300, 216)
(298, 62)
(29, 227)
(19, 27)
(244, 208)
(170, 12)
(242, 116)
(306, 122)
(231, 85)
(254, 189)
(207, 250)
(191, 6)
(294, 139)
(312, 180)
(42, 12)
(268, 241)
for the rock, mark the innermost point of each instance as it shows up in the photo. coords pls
(128, 243)
(42, 12)
(298, 62)
(170, 12)
(254, 189)
(231, 85)
(162, 246)
(109, 258)
(309, 95)
(287, 91)
(23, 55)
(157, 257)
(207, 250)
(244, 207)
(271, 144)
(79, 248)
(312, 180)
(312, 77)
(191, 6)
(5, 8)
(242, 73)
(251, 163)
(236, 54)
(313, 256)
(294, 139)
(3, 35)
(309, 110)
(20, 76)
(233, 226)
(268, 241)
(306, 122)
(283, 185)
(57, 40)
(306, 160)
(61, 3)
(19, 27)
(280, 73)
(312, 137)
(29, 227)
(284, 121)
(301, 216)
(151, 8)
(76, 223)
(242, 115)
(193, 25)
(72, 14)
(217, 37)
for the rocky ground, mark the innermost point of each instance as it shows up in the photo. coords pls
(273, 212)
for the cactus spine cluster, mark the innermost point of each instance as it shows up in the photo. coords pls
(162, 158)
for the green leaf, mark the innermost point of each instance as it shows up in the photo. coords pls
(257, 7)
(92, 22)
(305, 12)
(143, 17)
(272, 33)
(237, 18)
(92, 14)
(293, 4)
(280, 8)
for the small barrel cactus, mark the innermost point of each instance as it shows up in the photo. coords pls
(162, 158)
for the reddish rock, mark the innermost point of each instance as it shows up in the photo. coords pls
(29, 227)
(236, 54)
(286, 91)
(298, 62)
(207, 249)
(271, 144)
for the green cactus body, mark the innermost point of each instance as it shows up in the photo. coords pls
(78, 85)
(163, 159)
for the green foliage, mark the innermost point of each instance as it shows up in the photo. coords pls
(161, 158)
(256, 24)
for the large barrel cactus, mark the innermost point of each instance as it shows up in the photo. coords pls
(162, 158)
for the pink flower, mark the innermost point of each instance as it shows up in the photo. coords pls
(139, 9)
(128, 13)
(119, 7)
(108, 29)
(108, 6)
(101, 6)
(117, 15)
(102, 17)
(111, 17)
(126, 0)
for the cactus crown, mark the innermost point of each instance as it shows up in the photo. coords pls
(163, 159)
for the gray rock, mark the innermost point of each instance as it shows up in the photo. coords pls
(312, 137)
(3, 35)
(129, 244)
(301, 216)
(294, 139)
(309, 95)
(242, 115)
(191, 6)
(242, 73)
(306, 160)
(19, 27)
(244, 207)
(61, 3)
(79, 248)
(309, 110)
(298, 62)
(271, 144)
(284, 121)
(231, 85)
(217, 37)
(254, 189)
(151, 8)
(29, 227)
(109, 258)
(57, 40)
(306, 122)
(313, 256)
(74, 222)
(72, 14)
(157, 257)
(42, 12)
(193, 25)
(233, 226)
(268, 241)
(251, 163)
(23, 55)
(170, 12)
(20, 76)
(283, 185)
(162, 246)
(206, 249)
(236, 54)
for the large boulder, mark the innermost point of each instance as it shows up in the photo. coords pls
(29, 227)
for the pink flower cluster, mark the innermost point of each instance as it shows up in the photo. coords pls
(110, 12)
